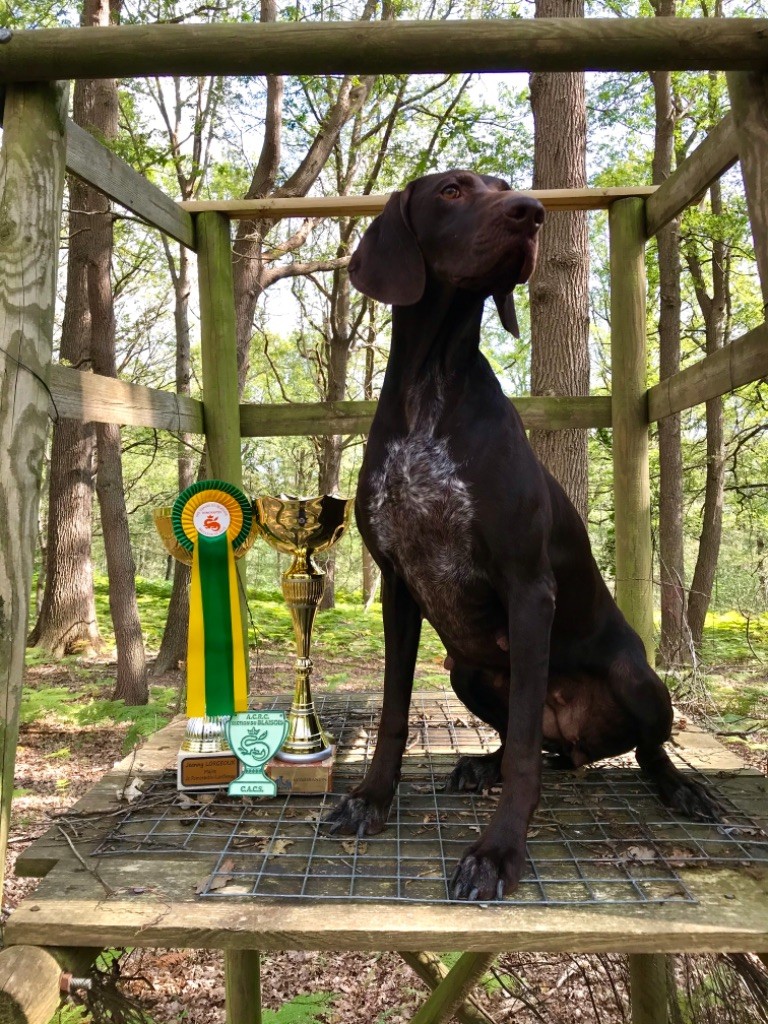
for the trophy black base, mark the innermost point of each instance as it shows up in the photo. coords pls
(202, 772)
(302, 777)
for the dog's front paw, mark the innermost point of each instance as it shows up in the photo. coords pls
(358, 815)
(475, 774)
(691, 799)
(486, 873)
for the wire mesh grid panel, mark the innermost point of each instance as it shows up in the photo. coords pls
(599, 836)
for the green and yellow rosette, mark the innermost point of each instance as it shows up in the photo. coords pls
(212, 520)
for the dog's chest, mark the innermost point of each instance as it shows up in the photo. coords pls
(421, 514)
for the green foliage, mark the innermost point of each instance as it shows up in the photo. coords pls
(309, 1009)
(86, 707)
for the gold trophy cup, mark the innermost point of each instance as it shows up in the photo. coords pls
(300, 527)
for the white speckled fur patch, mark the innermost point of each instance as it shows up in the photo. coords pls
(421, 512)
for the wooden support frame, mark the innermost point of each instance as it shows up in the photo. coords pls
(416, 47)
(749, 100)
(32, 177)
(716, 154)
(242, 982)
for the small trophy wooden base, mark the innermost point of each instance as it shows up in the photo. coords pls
(302, 778)
(200, 772)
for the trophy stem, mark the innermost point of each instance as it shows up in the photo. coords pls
(303, 585)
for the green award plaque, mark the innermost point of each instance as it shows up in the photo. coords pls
(255, 737)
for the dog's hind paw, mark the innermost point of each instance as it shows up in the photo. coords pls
(357, 815)
(475, 774)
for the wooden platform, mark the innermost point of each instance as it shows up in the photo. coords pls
(152, 901)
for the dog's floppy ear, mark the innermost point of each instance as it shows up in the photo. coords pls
(388, 265)
(505, 304)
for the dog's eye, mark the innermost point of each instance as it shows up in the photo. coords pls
(451, 192)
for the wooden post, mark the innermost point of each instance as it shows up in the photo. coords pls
(452, 991)
(432, 971)
(30, 980)
(218, 341)
(242, 980)
(648, 988)
(632, 497)
(631, 478)
(749, 100)
(32, 183)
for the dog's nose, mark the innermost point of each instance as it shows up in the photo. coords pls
(525, 212)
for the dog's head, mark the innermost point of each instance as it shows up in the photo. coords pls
(466, 230)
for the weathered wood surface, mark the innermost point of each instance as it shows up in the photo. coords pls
(454, 989)
(242, 980)
(648, 988)
(93, 397)
(741, 362)
(218, 343)
(307, 48)
(304, 419)
(154, 902)
(695, 174)
(369, 206)
(32, 184)
(88, 159)
(749, 100)
(432, 971)
(631, 477)
(30, 991)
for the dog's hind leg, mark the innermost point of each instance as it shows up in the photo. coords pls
(486, 695)
(645, 697)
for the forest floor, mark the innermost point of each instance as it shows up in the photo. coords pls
(72, 733)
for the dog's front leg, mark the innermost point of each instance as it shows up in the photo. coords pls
(365, 809)
(493, 865)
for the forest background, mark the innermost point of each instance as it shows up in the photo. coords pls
(109, 612)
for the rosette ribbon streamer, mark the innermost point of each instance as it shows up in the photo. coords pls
(212, 521)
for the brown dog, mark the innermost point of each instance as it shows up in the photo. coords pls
(471, 532)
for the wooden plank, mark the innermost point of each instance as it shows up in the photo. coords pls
(749, 100)
(631, 478)
(454, 988)
(242, 980)
(648, 988)
(218, 342)
(91, 397)
(306, 419)
(730, 916)
(741, 362)
(32, 183)
(716, 154)
(30, 980)
(369, 206)
(309, 48)
(89, 160)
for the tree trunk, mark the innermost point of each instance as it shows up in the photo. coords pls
(672, 644)
(714, 311)
(67, 620)
(100, 96)
(559, 289)
(173, 648)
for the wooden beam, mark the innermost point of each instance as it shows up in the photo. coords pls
(741, 362)
(89, 160)
(431, 969)
(648, 988)
(749, 100)
(218, 342)
(369, 206)
(705, 164)
(30, 980)
(32, 184)
(453, 990)
(90, 397)
(311, 48)
(324, 418)
(242, 981)
(631, 477)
